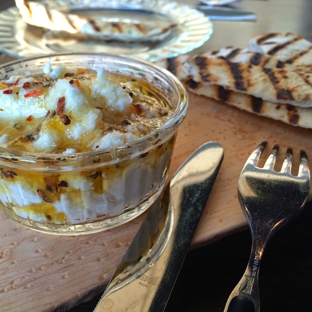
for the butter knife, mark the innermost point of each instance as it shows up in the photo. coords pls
(147, 273)
(226, 14)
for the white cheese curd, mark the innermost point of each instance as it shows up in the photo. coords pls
(109, 93)
(113, 139)
(46, 68)
(47, 141)
(79, 183)
(57, 72)
(23, 196)
(4, 138)
(69, 151)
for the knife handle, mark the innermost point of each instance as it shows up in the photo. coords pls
(241, 304)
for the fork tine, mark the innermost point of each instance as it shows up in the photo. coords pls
(270, 162)
(287, 164)
(304, 165)
(255, 155)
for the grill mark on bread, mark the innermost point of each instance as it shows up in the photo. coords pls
(139, 28)
(70, 22)
(50, 16)
(265, 37)
(281, 93)
(117, 26)
(256, 104)
(298, 55)
(305, 79)
(292, 114)
(223, 94)
(94, 25)
(282, 46)
(232, 54)
(171, 65)
(200, 61)
(192, 84)
(284, 94)
(280, 64)
(237, 75)
(294, 119)
(256, 59)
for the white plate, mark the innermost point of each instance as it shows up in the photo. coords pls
(19, 39)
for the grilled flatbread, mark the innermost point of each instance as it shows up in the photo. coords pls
(37, 14)
(289, 114)
(278, 85)
(288, 47)
(218, 64)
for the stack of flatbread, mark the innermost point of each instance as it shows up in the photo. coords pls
(272, 78)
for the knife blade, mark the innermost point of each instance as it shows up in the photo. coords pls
(226, 14)
(147, 273)
(216, 2)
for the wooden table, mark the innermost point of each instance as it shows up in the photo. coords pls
(50, 266)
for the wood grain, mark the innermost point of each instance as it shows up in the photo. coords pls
(41, 272)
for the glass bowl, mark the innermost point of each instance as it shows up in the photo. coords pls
(90, 191)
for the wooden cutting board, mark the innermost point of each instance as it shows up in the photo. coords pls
(41, 272)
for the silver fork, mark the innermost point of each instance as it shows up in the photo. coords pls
(269, 200)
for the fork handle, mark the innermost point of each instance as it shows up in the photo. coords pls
(241, 304)
(245, 295)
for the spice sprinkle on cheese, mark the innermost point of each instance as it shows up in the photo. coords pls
(66, 110)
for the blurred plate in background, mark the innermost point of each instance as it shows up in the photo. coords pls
(193, 28)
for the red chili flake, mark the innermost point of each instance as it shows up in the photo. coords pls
(98, 107)
(8, 91)
(72, 81)
(33, 93)
(40, 193)
(48, 181)
(16, 82)
(68, 75)
(77, 83)
(136, 108)
(26, 85)
(60, 106)
(29, 118)
(65, 120)
(81, 70)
